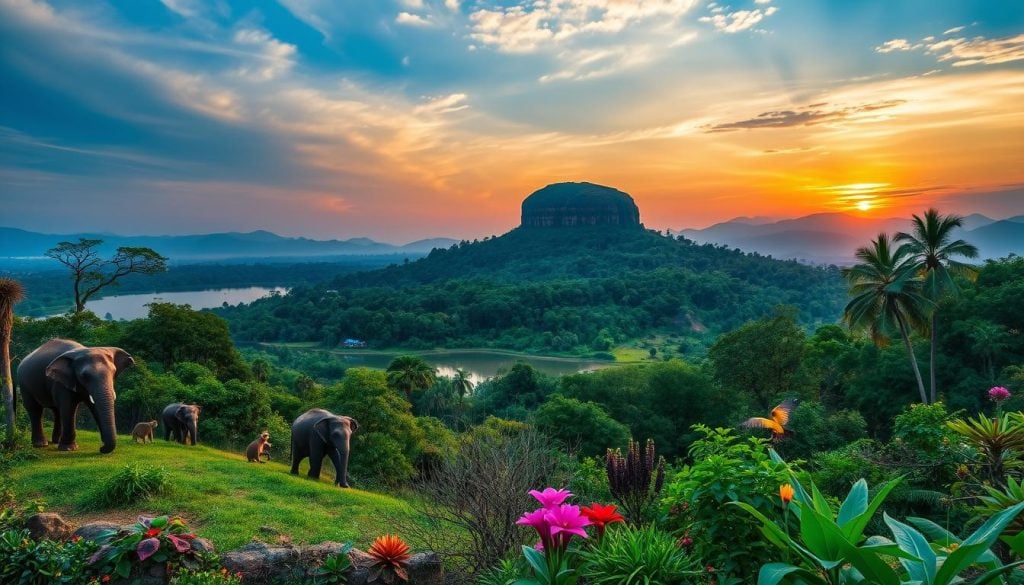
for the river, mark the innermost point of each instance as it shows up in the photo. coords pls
(134, 306)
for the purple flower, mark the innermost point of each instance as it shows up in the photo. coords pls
(550, 497)
(998, 394)
(566, 519)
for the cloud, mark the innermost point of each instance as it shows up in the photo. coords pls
(740, 20)
(812, 115)
(894, 45)
(962, 52)
(410, 19)
(272, 57)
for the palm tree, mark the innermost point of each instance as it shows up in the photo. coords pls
(933, 249)
(11, 292)
(408, 373)
(887, 295)
(462, 383)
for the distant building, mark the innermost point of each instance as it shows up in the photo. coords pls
(353, 344)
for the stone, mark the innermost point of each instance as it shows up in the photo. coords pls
(92, 530)
(262, 563)
(50, 526)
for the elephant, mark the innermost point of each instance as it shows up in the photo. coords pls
(318, 432)
(61, 374)
(181, 420)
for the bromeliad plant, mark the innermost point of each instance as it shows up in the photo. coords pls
(556, 523)
(148, 542)
(830, 548)
(390, 556)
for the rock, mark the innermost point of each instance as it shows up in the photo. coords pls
(50, 526)
(564, 205)
(262, 563)
(426, 569)
(93, 530)
(202, 545)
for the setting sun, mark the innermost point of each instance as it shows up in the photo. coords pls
(864, 205)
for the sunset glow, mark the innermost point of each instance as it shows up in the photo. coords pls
(402, 119)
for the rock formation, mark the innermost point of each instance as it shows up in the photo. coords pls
(579, 204)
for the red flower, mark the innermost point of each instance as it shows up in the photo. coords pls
(390, 555)
(600, 515)
(76, 539)
(106, 579)
(710, 568)
(152, 532)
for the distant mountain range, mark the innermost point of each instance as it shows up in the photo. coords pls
(17, 243)
(832, 238)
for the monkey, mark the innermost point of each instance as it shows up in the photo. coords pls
(258, 448)
(144, 430)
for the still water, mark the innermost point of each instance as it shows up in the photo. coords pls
(134, 306)
(480, 364)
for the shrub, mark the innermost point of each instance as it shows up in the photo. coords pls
(131, 484)
(635, 556)
(506, 572)
(335, 569)
(588, 479)
(220, 577)
(24, 561)
(725, 469)
(148, 542)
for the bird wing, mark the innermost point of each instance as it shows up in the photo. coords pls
(758, 422)
(780, 414)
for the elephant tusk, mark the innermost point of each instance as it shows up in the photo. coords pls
(91, 399)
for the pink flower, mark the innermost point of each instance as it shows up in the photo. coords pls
(539, 546)
(550, 497)
(998, 394)
(535, 519)
(566, 519)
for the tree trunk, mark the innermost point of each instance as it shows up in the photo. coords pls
(913, 358)
(6, 382)
(935, 324)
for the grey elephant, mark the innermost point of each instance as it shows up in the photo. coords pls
(60, 375)
(317, 433)
(181, 421)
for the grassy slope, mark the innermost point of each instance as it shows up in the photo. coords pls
(225, 498)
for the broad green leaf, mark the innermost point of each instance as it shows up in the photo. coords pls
(854, 529)
(819, 534)
(775, 573)
(994, 573)
(537, 561)
(911, 541)
(820, 503)
(855, 503)
(976, 544)
(939, 535)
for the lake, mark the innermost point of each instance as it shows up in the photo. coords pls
(134, 306)
(481, 364)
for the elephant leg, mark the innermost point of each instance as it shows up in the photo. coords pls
(167, 431)
(55, 437)
(67, 427)
(340, 467)
(316, 459)
(35, 417)
(296, 458)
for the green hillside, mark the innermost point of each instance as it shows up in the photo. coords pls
(573, 290)
(220, 494)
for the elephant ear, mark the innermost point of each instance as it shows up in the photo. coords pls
(180, 413)
(122, 360)
(353, 423)
(61, 370)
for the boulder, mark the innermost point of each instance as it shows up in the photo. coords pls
(49, 526)
(92, 530)
(262, 563)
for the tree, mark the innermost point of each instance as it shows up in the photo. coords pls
(260, 369)
(408, 373)
(462, 383)
(887, 295)
(92, 273)
(932, 248)
(761, 357)
(580, 425)
(11, 292)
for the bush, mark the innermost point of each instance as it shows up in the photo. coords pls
(24, 561)
(161, 541)
(635, 556)
(588, 479)
(580, 426)
(725, 469)
(221, 577)
(131, 484)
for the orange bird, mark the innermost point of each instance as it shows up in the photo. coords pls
(777, 423)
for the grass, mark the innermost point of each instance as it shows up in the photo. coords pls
(223, 497)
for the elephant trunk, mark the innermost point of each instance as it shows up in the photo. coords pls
(341, 473)
(104, 412)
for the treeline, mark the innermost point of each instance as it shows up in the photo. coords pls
(49, 291)
(546, 290)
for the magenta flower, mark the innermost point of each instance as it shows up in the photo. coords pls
(550, 497)
(998, 394)
(567, 520)
(535, 519)
(539, 546)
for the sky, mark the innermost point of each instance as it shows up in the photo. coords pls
(405, 119)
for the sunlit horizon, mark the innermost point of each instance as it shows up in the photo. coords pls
(406, 119)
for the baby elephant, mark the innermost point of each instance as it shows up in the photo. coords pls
(259, 448)
(143, 431)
